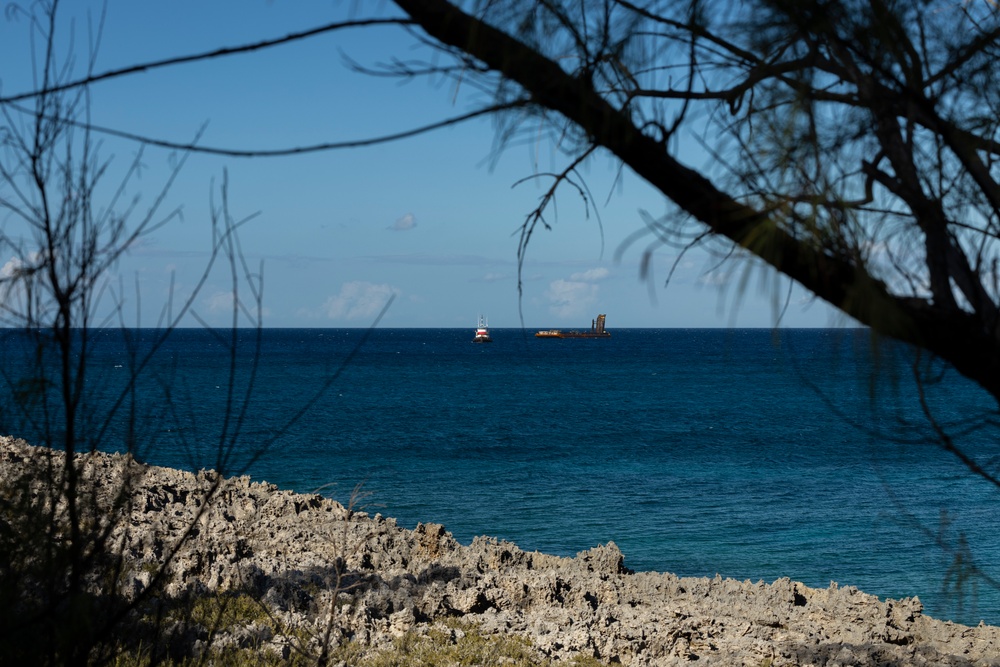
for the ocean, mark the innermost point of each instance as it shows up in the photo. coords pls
(751, 454)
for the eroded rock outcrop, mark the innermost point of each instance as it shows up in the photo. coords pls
(317, 564)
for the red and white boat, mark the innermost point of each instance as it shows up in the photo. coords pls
(482, 332)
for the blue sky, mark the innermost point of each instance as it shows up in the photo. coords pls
(431, 219)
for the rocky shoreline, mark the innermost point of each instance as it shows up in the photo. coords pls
(318, 567)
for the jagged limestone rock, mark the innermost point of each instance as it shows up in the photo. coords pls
(316, 564)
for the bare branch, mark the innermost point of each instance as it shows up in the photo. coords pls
(48, 89)
(194, 147)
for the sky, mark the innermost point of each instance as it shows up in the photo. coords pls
(431, 221)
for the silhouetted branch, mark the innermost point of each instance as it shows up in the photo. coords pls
(815, 244)
(194, 147)
(46, 90)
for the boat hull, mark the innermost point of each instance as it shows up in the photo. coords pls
(572, 334)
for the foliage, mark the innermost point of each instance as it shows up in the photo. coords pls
(456, 642)
(853, 145)
(450, 642)
(64, 577)
(227, 610)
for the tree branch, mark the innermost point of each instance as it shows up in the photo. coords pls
(194, 147)
(206, 55)
(956, 337)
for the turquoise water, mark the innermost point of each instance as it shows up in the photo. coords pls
(698, 452)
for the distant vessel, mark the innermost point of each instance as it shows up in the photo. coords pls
(482, 332)
(596, 331)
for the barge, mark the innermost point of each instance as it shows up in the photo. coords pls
(596, 331)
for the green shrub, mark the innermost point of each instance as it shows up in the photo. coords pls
(455, 643)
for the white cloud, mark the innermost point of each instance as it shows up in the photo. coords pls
(13, 276)
(220, 302)
(591, 275)
(715, 278)
(571, 297)
(358, 300)
(408, 221)
(11, 291)
(576, 296)
(13, 265)
(16, 264)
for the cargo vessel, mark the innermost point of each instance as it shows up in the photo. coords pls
(596, 331)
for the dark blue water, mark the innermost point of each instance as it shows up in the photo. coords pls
(738, 452)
